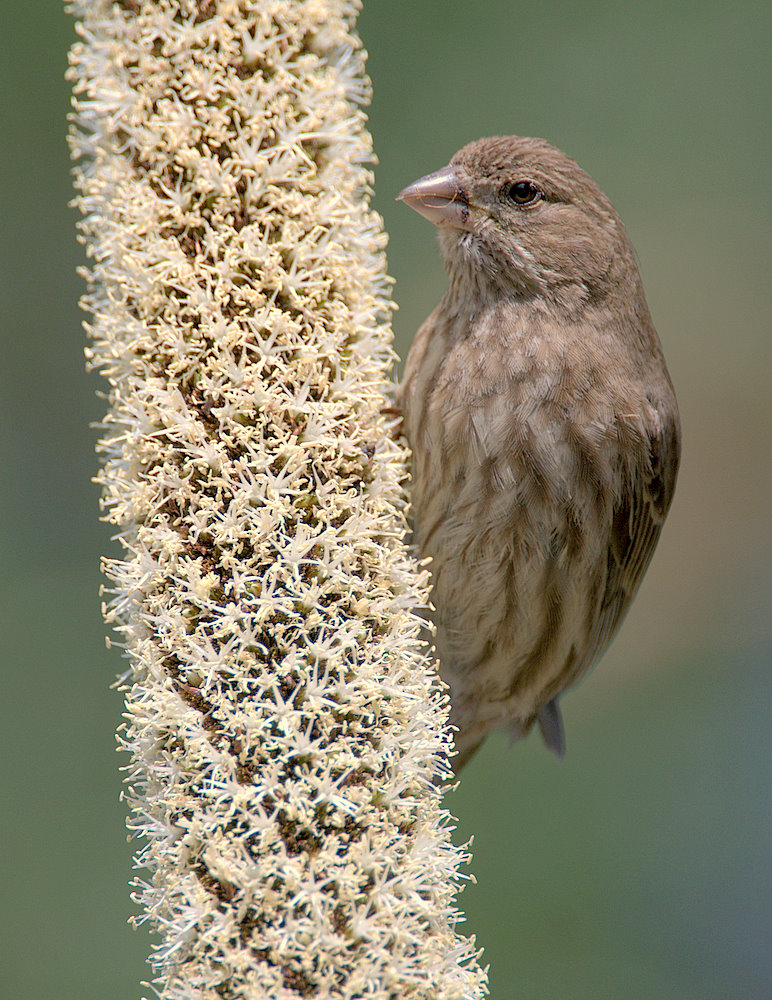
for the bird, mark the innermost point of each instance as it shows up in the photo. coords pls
(544, 433)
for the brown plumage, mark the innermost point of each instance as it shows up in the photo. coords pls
(544, 431)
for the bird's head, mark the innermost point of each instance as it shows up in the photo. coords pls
(519, 217)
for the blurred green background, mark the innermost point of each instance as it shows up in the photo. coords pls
(641, 867)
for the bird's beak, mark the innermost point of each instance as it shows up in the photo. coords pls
(440, 198)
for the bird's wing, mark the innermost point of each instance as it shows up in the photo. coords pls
(637, 522)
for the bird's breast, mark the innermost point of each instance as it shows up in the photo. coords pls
(515, 471)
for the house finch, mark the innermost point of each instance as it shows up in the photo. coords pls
(544, 431)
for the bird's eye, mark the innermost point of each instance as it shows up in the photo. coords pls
(524, 193)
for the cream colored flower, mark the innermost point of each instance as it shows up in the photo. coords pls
(286, 730)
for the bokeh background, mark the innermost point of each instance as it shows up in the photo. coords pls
(641, 867)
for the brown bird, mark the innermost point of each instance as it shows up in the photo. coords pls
(544, 430)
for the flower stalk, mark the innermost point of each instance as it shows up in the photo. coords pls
(286, 731)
